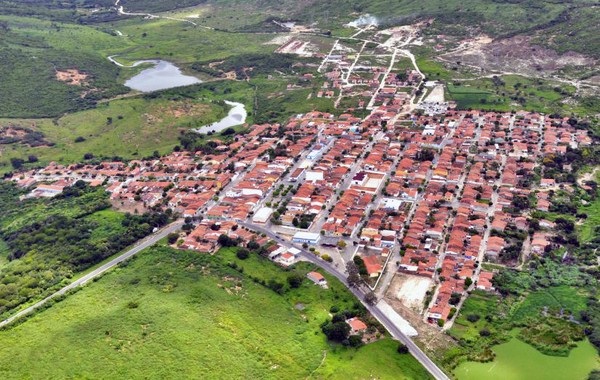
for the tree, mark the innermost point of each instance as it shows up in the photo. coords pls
(371, 298)
(88, 156)
(295, 280)
(252, 244)
(172, 238)
(32, 158)
(275, 286)
(468, 282)
(337, 331)
(454, 298)
(226, 241)
(355, 341)
(353, 276)
(402, 349)
(242, 254)
(17, 163)
(360, 264)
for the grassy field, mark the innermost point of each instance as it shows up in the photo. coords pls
(480, 304)
(183, 43)
(586, 231)
(512, 92)
(129, 128)
(517, 360)
(32, 50)
(553, 300)
(175, 314)
(44, 243)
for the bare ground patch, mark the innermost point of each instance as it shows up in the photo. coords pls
(430, 338)
(515, 55)
(72, 76)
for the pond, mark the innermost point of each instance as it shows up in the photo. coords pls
(161, 76)
(516, 360)
(236, 116)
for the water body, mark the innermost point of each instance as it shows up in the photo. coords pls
(236, 116)
(160, 77)
(516, 360)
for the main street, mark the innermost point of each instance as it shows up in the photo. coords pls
(138, 247)
(360, 293)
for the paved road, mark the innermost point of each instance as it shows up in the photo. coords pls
(141, 245)
(360, 292)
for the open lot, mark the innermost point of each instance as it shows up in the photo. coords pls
(410, 290)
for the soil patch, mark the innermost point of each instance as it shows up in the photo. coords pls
(516, 55)
(72, 76)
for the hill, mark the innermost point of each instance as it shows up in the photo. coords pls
(177, 314)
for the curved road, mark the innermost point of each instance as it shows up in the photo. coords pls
(360, 292)
(139, 246)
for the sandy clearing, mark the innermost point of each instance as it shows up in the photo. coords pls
(436, 95)
(411, 291)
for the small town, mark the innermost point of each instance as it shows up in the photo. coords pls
(346, 190)
(428, 198)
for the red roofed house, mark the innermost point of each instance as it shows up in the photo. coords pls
(373, 265)
(356, 326)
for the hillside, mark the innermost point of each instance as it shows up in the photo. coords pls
(177, 314)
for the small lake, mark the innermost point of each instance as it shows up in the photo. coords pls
(162, 76)
(517, 360)
(236, 116)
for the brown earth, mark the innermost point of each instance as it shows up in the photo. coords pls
(72, 76)
(514, 55)
(430, 338)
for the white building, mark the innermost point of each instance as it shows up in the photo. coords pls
(306, 237)
(262, 216)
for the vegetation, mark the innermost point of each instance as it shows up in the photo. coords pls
(128, 316)
(47, 243)
(510, 92)
(138, 127)
(549, 304)
(33, 50)
(517, 360)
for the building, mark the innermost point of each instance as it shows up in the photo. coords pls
(306, 237)
(262, 216)
(297, 175)
(373, 265)
(317, 278)
(356, 326)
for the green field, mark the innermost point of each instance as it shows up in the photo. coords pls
(546, 304)
(132, 127)
(587, 229)
(44, 243)
(32, 50)
(510, 92)
(553, 300)
(516, 360)
(177, 314)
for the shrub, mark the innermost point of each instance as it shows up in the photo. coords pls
(473, 318)
(172, 238)
(242, 254)
(355, 341)
(402, 349)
